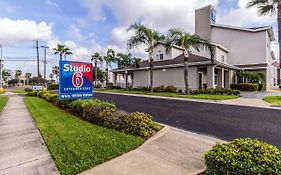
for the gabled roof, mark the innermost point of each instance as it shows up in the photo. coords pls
(251, 29)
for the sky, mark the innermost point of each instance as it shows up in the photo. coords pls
(88, 26)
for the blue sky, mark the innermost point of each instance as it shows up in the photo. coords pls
(87, 26)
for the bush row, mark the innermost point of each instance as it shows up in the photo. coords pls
(53, 87)
(243, 157)
(245, 86)
(216, 91)
(163, 88)
(104, 114)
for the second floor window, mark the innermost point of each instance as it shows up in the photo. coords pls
(160, 56)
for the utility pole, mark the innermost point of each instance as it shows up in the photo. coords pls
(45, 62)
(37, 51)
(1, 71)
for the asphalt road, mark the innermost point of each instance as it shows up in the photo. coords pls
(222, 121)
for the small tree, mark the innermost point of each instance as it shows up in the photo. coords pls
(109, 58)
(18, 74)
(97, 58)
(125, 60)
(55, 71)
(27, 76)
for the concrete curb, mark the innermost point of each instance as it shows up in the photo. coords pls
(188, 99)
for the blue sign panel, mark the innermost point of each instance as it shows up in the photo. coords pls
(76, 80)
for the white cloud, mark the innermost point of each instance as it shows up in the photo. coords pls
(21, 30)
(75, 33)
(52, 3)
(160, 14)
(243, 16)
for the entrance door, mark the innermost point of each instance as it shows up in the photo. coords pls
(200, 78)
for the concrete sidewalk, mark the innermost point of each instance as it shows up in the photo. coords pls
(171, 151)
(22, 150)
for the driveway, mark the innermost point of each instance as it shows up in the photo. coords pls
(259, 95)
(220, 120)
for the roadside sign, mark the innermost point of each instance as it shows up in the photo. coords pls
(76, 80)
(37, 88)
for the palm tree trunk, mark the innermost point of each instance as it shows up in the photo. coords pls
(186, 76)
(126, 77)
(96, 72)
(186, 85)
(106, 77)
(151, 69)
(279, 31)
(60, 57)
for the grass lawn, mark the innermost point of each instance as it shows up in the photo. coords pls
(274, 100)
(169, 94)
(76, 145)
(3, 101)
(18, 91)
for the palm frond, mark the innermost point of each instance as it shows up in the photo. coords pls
(256, 3)
(266, 9)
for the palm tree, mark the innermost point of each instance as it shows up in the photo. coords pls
(136, 62)
(96, 57)
(125, 60)
(269, 7)
(27, 76)
(55, 71)
(62, 51)
(109, 58)
(18, 73)
(148, 37)
(186, 41)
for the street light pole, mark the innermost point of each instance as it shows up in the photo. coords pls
(45, 62)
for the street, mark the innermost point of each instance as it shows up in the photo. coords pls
(222, 121)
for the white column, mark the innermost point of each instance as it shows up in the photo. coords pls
(210, 76)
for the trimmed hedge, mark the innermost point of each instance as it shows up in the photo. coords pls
(245, 86)
(163, 88)
(104, 114)
(216, 91)
(53, 87)
(243, 157)
(27, 89)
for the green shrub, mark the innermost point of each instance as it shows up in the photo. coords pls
(52, 98)
(216, 91)
(27, 89)
(53, 87)
(141, 88)
(115, 121)
(93, 110)
(243, 157)
(140, 124)
(109, 85)
(171, 89)
(98, 86)
(244, 86)
(159, 88)
(32, 93)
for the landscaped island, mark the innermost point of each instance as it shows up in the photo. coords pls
(72, 133)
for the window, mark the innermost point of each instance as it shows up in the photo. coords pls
(222, 58)
(159, 56)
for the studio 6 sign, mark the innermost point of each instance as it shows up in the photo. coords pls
(76, 80)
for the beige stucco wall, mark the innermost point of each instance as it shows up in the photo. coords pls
(244, 47)
(172, 53)
(171, 76)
